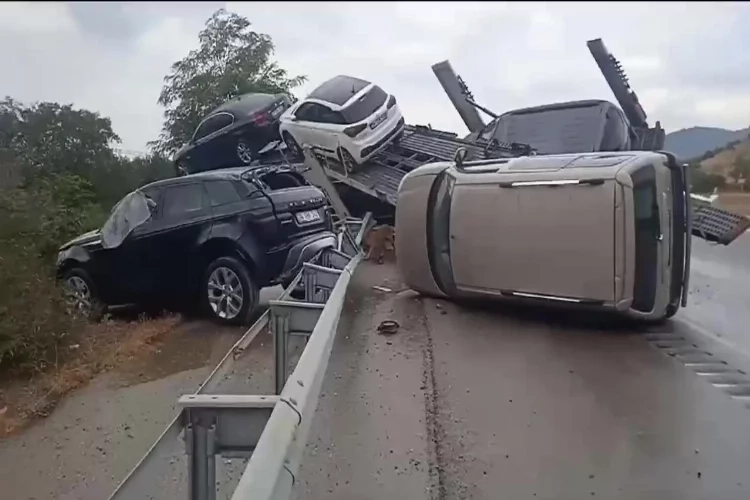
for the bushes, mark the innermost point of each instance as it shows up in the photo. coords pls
(704, 182)
(36, 219)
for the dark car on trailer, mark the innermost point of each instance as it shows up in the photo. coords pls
(211, 239)
(233, 134)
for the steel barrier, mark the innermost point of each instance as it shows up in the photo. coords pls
(269, 429)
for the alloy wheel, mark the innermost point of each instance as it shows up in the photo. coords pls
(294, 148)
(244, 153)
(348, 161)
(78, 295)
(225, 295)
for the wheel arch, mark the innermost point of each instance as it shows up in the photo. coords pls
(214, 248)
(66, 265)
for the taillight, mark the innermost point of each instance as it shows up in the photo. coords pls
(391, 102)
(261, 119)
(355, 130)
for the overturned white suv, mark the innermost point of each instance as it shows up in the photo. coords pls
(345, 118)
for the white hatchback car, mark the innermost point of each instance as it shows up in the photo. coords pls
(345, 118)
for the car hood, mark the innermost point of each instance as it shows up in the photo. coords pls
(90, 237)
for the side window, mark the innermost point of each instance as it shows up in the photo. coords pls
(183, 201)
(305, 112)
(314, 112)
(329, 116)
(213, 124)
(221, 192)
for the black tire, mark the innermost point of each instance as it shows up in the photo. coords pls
(294, 148)
(221, 310)
(671, 311)
(96, 308)
(244, 152)
(347, 161)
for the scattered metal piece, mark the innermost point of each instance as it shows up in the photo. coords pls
(382, 289)
(388, 327)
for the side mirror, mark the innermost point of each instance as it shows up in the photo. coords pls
(151, 205)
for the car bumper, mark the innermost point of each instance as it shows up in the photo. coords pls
(369, 151)
(304, 251)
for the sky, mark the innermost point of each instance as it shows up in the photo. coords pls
(688, 62)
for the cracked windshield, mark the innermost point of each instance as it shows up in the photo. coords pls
(426, 250)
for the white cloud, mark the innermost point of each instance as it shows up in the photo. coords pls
(687, 61)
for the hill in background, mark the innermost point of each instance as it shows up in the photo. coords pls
(693, 142)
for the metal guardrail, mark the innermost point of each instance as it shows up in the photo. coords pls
(270, 429)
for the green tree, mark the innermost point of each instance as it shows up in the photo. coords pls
(703, 182)
(49, 137)
(232, 60)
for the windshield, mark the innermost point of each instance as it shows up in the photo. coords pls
(129, 213)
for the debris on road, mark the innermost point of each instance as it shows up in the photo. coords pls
(388, 327)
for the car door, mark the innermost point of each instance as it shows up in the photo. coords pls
(183, 222)
(311, 119)
(129, 266)
(212, 146)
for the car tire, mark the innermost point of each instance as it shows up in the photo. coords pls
(347, 161)
(671, 311)
(226, 282)
(294, 148)
(82, 294)
(244, 152)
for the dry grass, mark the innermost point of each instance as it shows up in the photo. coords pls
(103, 347)
(723, 162)
(735, 202)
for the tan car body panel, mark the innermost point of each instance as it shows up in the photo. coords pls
(564, 242)
(411, 232)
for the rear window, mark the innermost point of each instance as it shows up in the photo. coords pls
(338, 89)
(365, 105)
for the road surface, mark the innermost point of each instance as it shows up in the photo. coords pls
(462, 402)
(490, 402)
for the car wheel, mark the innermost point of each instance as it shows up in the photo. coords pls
(244, 152)
(347, 160)
(180, 169)
(81, 295)
(292, 145)
(229, 293)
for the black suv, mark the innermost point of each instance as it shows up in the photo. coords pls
(233, 134)
(215, 236)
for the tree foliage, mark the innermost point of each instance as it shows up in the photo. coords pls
(232, 60)
(704, 182)
(48, 137)
(60, 177)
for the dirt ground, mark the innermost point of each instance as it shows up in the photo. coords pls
(139, 350)
(735, 202)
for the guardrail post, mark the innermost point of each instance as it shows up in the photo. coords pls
(280, 327)
(202, 466)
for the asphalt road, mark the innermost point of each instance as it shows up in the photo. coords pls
(508, 403)
(480, 402)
